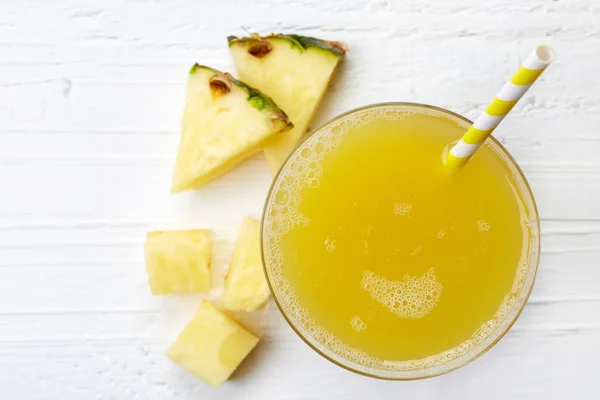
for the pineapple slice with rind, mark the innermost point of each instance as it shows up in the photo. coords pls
(295, 71)
(178, 261)
(246, 287)
(224, 122)
(212, 345)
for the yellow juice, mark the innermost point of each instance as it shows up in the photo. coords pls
(384, 258)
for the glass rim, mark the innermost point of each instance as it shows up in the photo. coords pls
(461, 361)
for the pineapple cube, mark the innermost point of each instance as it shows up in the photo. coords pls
(212, 345)
(178, 261)
(224, 121)
(246, 288)
(295, 71)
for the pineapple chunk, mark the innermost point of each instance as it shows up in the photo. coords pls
(295, 71)
(224, 121)
(212, 345)
(246, 288)
(178, 261)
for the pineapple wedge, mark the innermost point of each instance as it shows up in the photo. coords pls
(246, 288)
(224, 121)
(178, 261)
(212, 345)
(295, 71)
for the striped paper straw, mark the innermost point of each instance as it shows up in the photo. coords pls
(509, 95)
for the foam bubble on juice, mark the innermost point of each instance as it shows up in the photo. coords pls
(483, 226)
(416, 251)
(357, 324)
(441, 233)
(411, 297)
(330, 245)
(402, 209)
(366, 246)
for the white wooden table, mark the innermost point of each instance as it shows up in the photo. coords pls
(90, 98)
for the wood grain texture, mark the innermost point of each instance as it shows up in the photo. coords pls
(90, 99)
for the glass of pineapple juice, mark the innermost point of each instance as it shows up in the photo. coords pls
(386, 262)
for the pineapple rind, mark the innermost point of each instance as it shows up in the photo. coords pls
(256, 98)
(300, 42)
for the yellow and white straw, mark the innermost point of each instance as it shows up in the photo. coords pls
(509, 95)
